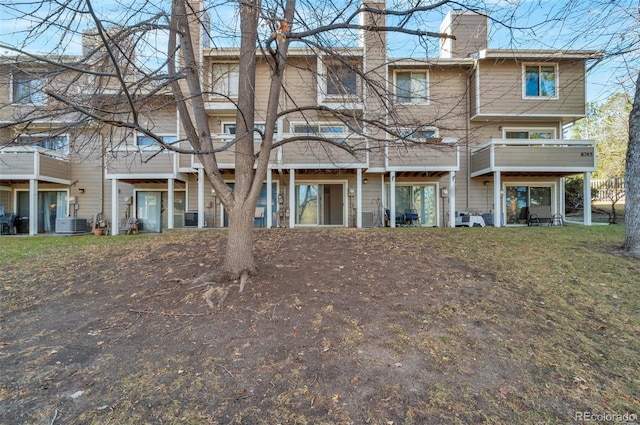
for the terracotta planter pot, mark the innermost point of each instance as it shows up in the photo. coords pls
(97, 232)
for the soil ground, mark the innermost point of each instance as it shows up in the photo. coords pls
(338, 327)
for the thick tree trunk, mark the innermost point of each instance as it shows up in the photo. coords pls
(632, 180)
(239, 259)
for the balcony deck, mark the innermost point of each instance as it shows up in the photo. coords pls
(34, 163)
(141, 163)
(534, 156)
(427, 157)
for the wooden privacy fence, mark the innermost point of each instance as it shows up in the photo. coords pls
(607, 190)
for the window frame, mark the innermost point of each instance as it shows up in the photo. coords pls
(411, 133)
(230, 78)
(225, 125)
(529, 130)
(38, 139)
(326, 75)
(413, 98)
(153, 143)
(36, 96)
(319, 127)
(540, 65)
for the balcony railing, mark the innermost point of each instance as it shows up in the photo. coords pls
(34, 163)
(533, 156)
(140, 162)
(422, 157)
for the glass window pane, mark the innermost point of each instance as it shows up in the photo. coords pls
(307, 204)
(532, 81)
(547, 81)
(540, 195)
(419, 86)
(403, 87)
(341, 80)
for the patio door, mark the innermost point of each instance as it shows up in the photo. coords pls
(422, 198)
(320, 204)
(519, 199)
(51, 205)
(149, 208)
(153, 212)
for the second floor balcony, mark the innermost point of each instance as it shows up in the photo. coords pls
(140, 163)
(533, 156)
(34, 163)
(425, 157)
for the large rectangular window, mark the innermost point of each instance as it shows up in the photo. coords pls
(517, 133)
(149, 141)
(333, 132)
(540, 81)
(225, 78)
(58, 144)
(29, 89)
(342, 80)
(411, 87)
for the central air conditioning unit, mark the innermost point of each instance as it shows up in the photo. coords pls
(367, 219)
(191, 219)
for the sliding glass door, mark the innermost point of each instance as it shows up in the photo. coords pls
(519, 199)
(320, 204)
(421, 198)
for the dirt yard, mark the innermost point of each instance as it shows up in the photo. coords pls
(339, 327)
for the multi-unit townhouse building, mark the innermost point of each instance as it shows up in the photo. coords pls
(490, 140)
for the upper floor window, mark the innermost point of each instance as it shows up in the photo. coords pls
(540, 81)
(322, 130)
(28, 89)
(58, 144)
(411, 87)
(230, 128)
(419, 134)
(143, 141)
(516, 133)
(342, 80)
(225, 78)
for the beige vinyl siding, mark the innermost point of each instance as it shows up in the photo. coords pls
(481, 160)
(318, 153)
(54, 168)
(19, 163)
(501, 90)
(401, 155)
(547, 156)
(142, 162)
(300, 81)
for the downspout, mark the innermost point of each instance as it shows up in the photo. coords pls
(102, 175)
(467, 136)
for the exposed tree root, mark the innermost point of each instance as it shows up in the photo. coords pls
(216, 292)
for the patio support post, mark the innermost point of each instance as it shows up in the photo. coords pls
(200, 198)
(292, 198)
(392, 197)
(497, 200)
(269, 212)
(115, 222)
(170, 201)
(359, 198)
(452, 199)
(587, 199)
(33, 207)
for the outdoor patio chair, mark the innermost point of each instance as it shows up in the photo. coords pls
(540, 214)
(8, 224)
(411, 217)
(259, 215)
